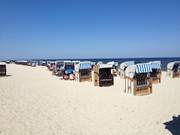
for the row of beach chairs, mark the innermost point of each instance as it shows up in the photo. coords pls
(139, 78)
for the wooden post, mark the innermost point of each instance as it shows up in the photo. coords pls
(125, 85)
(128, 86)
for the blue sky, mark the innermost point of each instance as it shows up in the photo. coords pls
(89, 28)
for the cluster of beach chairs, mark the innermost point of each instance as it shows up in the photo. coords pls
(139, 77)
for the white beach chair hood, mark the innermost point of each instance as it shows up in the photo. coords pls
(138, 68)
(171, 64)
(126, 64)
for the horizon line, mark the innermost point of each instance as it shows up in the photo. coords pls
(88, 58)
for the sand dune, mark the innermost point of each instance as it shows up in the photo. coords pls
(33, 102)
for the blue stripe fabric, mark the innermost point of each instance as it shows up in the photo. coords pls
(84, 65)
(156, 65)
(138, 69)
(143, 68)
(69, 71)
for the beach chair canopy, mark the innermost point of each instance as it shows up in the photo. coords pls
(83, 65)
(22, 61)
(138, 69)
(143, 68)
(99, 62)
(67, 61)
(113, 63)
(93, 63)
(105, 65)
(172, 64)
(76, 61)
(49, 63)
(43, 62)
(52, 62)
(2, 63)
(124, 65)
(59, 62)
(155, 64)
(59, 65)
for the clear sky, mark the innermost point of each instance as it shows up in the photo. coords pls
(89, 28)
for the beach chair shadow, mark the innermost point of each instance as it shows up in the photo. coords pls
(6, 76)
(174, 125)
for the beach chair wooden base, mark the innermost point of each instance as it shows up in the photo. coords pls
(131, 87)
(3, 74)
(106, 83)
(85, 79)
(65, 77)
(176, 75)
(2, 70)
(156, 80)
(142, 92)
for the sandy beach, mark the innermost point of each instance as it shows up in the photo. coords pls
(33, 102)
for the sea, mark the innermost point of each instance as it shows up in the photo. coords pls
(164, 61)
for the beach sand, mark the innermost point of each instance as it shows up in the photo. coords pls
(33, 102)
